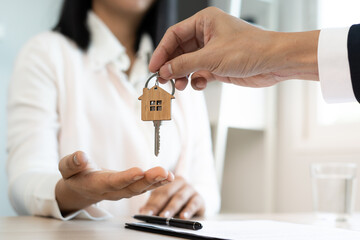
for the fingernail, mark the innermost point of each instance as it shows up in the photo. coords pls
(146, 212)
(159, 178)
(186, 215)
(76, 160)
(138, 177)
(166, 71)
(200, 84)
(164, 182)
(167, 214)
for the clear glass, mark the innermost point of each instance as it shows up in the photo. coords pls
(334, 186)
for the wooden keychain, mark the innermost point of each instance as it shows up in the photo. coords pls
(156, 106)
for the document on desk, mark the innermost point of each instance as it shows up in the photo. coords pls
(256, 230)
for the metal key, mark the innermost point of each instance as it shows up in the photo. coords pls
(156, 107)
(157, 124)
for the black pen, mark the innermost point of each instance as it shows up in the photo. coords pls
(174, 222)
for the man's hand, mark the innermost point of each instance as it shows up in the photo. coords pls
(177, 198)
(82, 185)
(217, 46)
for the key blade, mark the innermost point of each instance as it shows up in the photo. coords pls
(157, 137)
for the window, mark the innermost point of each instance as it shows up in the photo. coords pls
(320, 127)
(157, 107)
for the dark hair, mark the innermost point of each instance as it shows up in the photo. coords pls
(72, 21)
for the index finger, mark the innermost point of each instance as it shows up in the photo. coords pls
(174, 37)
(151, 177)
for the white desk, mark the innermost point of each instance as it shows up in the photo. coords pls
(15, 228)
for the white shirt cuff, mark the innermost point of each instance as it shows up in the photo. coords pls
(46, 204)
(333, 65)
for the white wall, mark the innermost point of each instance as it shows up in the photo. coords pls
(243, 120)
(301, 142)
(19, 20)
(244, 172)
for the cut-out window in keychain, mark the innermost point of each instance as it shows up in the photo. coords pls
(156, 106)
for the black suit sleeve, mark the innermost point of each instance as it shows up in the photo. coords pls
(353, 45)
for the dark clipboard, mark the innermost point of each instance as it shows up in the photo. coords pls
(168, 232)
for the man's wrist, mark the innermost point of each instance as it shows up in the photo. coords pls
(295, 55)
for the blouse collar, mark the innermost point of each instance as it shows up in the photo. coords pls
(105, 48)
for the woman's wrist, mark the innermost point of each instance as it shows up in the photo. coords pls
(68, 200)
(295, 55)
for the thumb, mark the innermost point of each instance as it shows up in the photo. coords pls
(183, 65)
(73, 164)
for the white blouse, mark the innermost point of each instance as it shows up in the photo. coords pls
(62, 99)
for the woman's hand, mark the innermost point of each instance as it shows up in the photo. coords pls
(217, 46)
(82, 185)
(177, 198)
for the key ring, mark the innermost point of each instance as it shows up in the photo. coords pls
(157, 82)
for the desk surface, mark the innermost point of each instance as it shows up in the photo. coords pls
(46, 228)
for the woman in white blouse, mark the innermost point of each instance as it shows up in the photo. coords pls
(73, 106)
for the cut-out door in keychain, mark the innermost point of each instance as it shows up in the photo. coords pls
(156, 106)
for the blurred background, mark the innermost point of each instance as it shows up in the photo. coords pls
(264, 139)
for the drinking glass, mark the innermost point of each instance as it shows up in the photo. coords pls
(334, 186)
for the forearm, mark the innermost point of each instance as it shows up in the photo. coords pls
(68, 200)
(294, 55)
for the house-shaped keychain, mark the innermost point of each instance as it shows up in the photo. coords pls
(156, 102)
(156, 107)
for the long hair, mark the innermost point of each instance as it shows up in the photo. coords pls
(72, 21)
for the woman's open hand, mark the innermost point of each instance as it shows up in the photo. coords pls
(83, 185)
(177, 198)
